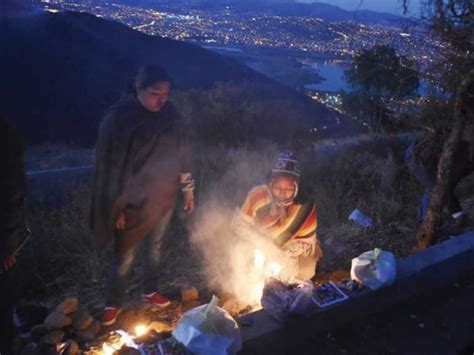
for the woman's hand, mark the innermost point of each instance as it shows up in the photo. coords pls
(188, 205)
(121, 222)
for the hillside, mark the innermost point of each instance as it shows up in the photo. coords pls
(326, 12)
(62, 71)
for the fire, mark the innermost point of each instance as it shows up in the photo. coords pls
(259, 259)
(140, 330)
(119, 338)
(263, 270)
(275, 269)
(107, 349)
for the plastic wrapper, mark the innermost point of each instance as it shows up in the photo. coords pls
(374, 269)
(280, 298)
(208, 329)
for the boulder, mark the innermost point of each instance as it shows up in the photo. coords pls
(160, 327)
(71, 348)
(57, 320)
(81, 319)
(53, 337)
(90, 333)
(189, 293)
(125, 350)
(68, 306)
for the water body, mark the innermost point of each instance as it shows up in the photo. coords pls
(229, 49)
(332, 72)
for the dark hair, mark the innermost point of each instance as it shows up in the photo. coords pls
(151, 74)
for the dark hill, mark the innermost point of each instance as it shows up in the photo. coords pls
(61, 71)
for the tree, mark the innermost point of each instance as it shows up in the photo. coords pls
(452, 21)
(377, 76)
(463, 112)
(381, 72)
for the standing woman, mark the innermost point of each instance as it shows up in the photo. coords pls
(142, 163)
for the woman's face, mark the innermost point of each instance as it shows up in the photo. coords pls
(154, 97)
(283, 187)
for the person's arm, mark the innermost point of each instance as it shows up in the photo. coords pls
(308, 234)
(243, 222)
(112, 151)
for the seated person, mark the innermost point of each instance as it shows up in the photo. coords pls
(276, 212)
(422, 158)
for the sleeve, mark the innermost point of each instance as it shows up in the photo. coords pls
(252, 202)
(112, 151)
(243, 222)
(307, 233)
(242, 226)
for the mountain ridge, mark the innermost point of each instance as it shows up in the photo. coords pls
(63, 70)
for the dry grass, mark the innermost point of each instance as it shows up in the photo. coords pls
(61, 258)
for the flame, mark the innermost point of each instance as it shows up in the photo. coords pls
(140, 330)
(275, 268)
(262, 270)
(258, 258)
(107, 349)
(259, 291)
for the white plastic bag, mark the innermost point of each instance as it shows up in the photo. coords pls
(374, 269)
(210, 330)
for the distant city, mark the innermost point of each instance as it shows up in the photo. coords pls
(227, 28)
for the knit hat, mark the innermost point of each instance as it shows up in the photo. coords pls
(287, 164)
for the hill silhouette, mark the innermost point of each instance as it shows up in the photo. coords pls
(61, 71)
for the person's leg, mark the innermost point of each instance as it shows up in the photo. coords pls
(117, 278)
(307, 266)
(152, 253)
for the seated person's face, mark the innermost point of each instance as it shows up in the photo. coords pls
(283, 187)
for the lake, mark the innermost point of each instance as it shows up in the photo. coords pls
(332, 72)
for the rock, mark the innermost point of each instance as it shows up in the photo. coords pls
(189, 293)
(71, 348)
(160, 327)
(125, 350)
(38, 331)
(53, 337)
(29, 349)
(81, 319)
(57, 320)
(90, 332)
(235, 307)
(68, 306)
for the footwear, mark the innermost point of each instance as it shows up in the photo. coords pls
(110, 315)
(156, 299)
